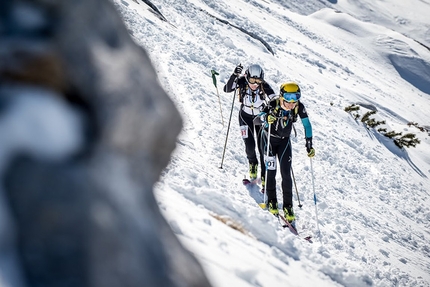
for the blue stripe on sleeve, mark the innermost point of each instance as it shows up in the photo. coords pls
(308, 127)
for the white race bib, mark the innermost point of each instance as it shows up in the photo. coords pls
(270, 162)
(244, 131)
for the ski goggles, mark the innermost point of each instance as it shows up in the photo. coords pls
(291, 97)
(255, 81)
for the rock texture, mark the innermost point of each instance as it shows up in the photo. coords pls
(76, 198)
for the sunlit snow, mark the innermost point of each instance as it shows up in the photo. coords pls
(373, 198)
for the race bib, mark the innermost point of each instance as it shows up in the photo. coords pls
(244, 131)
(270, 162)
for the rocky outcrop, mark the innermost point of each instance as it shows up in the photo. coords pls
(86, 130)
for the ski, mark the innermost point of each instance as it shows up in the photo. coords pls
(253, 182)
(286, 224)
(255, 192)
(246, 181)
(289, 225)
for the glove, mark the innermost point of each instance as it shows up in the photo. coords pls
(263, 117)
(271, 119)
(238, 70)
(309, 148)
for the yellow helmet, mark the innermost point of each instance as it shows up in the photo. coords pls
(290, 91)
(290, 87)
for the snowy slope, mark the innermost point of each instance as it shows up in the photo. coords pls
(373, 198)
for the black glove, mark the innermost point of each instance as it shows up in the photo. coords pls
(309, 148)
(238, 70)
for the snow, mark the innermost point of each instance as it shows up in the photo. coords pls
(373, 199)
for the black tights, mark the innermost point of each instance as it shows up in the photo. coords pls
(281, 149)
(254, 132)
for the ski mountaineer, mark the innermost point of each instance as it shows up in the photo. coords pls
(254, 94)
(281, 113)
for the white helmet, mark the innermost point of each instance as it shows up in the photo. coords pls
(254, 71)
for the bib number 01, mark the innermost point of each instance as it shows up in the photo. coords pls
(270, 162)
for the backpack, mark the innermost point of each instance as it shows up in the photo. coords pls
(243, 90)
(293, 113)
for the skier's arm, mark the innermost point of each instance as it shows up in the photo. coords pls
(308, 127)
(231, 84)
(305, 120)
(308, 130)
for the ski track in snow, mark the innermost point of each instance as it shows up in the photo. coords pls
(373, 204)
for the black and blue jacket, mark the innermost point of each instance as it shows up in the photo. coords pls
(282, 126)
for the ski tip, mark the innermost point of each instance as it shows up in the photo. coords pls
(309, 239)
(262, 205)
(294, 231)
(246, 181)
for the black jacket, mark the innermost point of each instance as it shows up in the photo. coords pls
(282, 126)
(252, 101)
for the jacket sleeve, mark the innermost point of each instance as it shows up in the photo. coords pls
(269, 107)
(305, 120)
(269, 91)
(231, 84)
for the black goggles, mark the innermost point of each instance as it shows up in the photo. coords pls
(255, 81)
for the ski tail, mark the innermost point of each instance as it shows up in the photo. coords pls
(290, 225)
(246, 181)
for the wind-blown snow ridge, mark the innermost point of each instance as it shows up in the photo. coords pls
(244, 31)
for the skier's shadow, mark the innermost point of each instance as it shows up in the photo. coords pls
(255, 193)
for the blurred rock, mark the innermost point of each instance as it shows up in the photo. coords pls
(76, 199)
